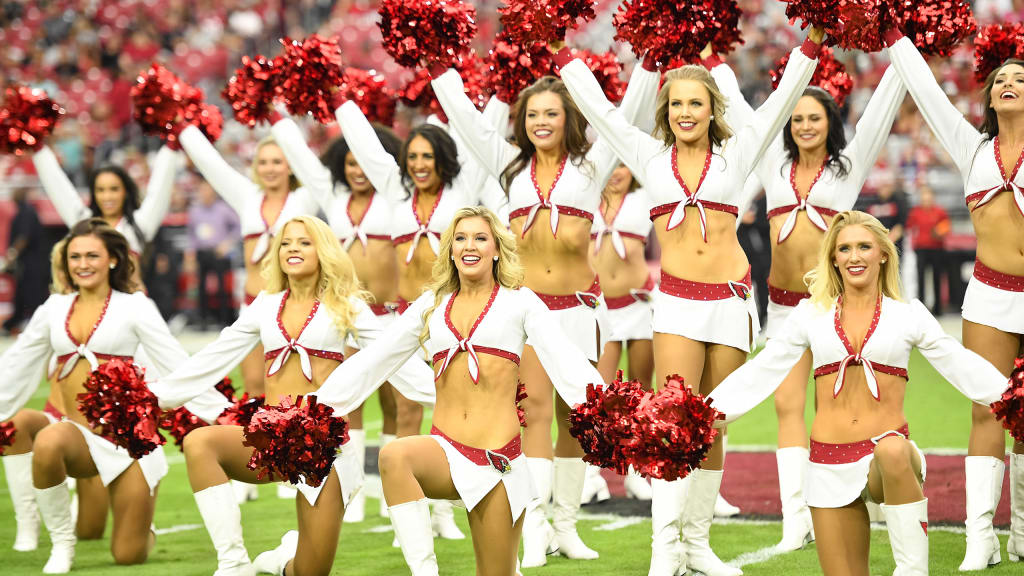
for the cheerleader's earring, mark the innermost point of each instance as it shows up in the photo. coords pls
(495, 257)
(112, 266)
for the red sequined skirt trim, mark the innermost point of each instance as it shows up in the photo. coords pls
(627, 299)
(499, 459)
(997, 279)
(824, 453)
(784, 297)
(566, 301)
(691, 290)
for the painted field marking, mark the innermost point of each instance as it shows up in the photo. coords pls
(177, 528)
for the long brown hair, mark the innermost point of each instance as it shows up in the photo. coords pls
(990, 123)
(575, 141)
(120, 276)
(718, 131)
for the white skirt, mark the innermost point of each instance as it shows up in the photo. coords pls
(474, 481)
(837, 485)
(777, 314)
(730, 321)
(350, 478)
(111, 460)
(631, 322)
(990, 306)
(582, 325)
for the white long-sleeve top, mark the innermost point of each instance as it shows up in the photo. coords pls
(127, 322)
(511, 317)
(148, 216)
(630, 221)
(654, 163)
(974, 153)
(577, 188)
(828, 194)
(243, 195)
(897, 328)
(260, 323)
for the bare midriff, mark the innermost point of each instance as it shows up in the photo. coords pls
(855, 415)
(997, 225)
(685, 254)
(619, 276)
(555, 265)
(481, 415)
(291, 382)
(797, 255)
(415, 275)
(376, 266)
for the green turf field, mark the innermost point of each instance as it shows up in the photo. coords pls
(938, 415)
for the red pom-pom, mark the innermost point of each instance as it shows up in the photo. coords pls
(666, 30)
(529, 21)
(1010, 407)
(7, 432)
(512, 68)
(418, 93)
(241, 412)
(520, 396)
(606, 68)
(936, 26)
(434, 32)
(994, 45)
(861, 23)
(251, 89)
(370, 92)
(27, 117)
(822, 14)
(830, 75)
(605, 424)
(117, 402)
(295, 442)
(179, 422)
(310, 72)
(673, 431)
(226, 388)
(164, 104)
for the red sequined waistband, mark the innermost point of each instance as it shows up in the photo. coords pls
(52, 410)
(691, 290)
(566, 301)
(997, 279)
(500, 459)
(784, 297)
(641, 295)
(824, 453)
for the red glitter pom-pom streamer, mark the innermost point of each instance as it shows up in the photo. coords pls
(830, 75)
(822, 14)
(370, 92)
(936, 26)
(605, 424)
(673, 431)
(7, 432)
(606, 68)
(520, 396)
(241, 412)
(529, 21)
(117, 402)
(310, 71)
(512, 67)
(295, 442)
(434, 32)
(418, 93)
(179, 422)
(164, 104)
(226, 388)
(860, 24)
(1009, 409)
(27, 117)
(251, 89)
(994, 45)
(668, 30)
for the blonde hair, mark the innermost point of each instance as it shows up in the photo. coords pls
(337, 281)
(507, 271)
(58, 280)
(719, 131)
(293, 180)
(825, 282)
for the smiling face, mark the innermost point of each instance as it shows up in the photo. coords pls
(1007, 93)
(689, 110)
(474, 249)
(858, 256)
(298, 257)
(110, 195)
(272, 168)
(545, 121)
(89, 262)
(421, 164)
(358, 183)
(809, 125)
(620, 181)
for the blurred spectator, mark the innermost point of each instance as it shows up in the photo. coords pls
(889, 205)
(927, 225)
(213, 232)
(28, 260)
(755, 239)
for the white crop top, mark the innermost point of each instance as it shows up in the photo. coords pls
(630, 221)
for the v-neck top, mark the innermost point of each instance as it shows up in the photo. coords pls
(630, 221)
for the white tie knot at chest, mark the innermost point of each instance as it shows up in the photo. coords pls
(869, 374)
(282, 357)
(812, 214)
(433, 238)
(473, 363)
(617, 243)
(81, 351)
(262, 245)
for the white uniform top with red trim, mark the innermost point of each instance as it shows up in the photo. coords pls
(579, 182)
(631, 220)
(148, 216)
(974, 153)
(243, 195)
(829, 194)
(897, 327)
(260, 323)
(507, 321)
(126, 322)
(725, 168)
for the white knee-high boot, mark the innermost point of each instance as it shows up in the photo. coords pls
(723, 509)
(538, 536)
(697, 515)
(411, 522)
(18, 469)
(594, 486)
(908, 536)
(636, 485)
(667, 555)
(385, 439)
(984, 485)
(55, 507)
(355, 448)
(274, 561)
(244, 491)
(442, 521)
(223, 520)
(1015, 544)
(566, 495)
(796, 516)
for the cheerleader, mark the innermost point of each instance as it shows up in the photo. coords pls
(704, 315)
(989, 159)
(114, 197)
(809, 174)
(473, 320)
(104, 318)
(860, 334)
(311, 304)
(262, 203)
(553, 178)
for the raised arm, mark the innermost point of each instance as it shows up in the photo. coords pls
(379, 166)
(756, 379)
(158, 193)
(25, 363)
(958, 136)
(413, 379)
(872, 131)
(58, 187)
(968, 372)
(233, 187)
(738, 112)
(314, 176)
